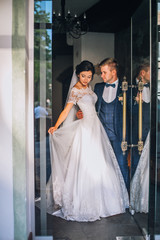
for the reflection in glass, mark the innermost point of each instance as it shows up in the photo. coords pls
(43, 11)
(42, 107)
(140, 115)
(157, 212)
(42, 110)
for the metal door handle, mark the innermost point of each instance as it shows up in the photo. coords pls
(124, 89)
(140, 142)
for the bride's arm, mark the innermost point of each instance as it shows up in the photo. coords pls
(62, 117)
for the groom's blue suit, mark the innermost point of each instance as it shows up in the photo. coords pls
(111, 116)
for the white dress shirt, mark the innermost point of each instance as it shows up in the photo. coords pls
(40, 112)
(109, 93)
(145, 93)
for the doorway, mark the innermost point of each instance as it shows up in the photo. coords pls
(54, 63)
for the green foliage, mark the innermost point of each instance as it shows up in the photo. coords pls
(42, 51)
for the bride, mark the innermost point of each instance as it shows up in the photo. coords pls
(86, 182)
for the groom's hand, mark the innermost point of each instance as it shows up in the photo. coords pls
(79, 114)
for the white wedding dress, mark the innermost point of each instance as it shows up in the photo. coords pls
(139, 189)
(86, 182)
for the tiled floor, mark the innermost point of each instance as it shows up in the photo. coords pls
(105, 229)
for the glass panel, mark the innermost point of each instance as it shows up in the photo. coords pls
(157, 196)
(140, 115)
(43, 111)
(43, 11)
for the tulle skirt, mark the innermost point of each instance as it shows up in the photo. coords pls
(86, 182)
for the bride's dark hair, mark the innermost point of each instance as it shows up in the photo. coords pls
(85, 66)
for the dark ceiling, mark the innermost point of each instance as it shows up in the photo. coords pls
(108, 16)
(111, 15)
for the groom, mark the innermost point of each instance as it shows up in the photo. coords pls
(110, 111)
(143, 72)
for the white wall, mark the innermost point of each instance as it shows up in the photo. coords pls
(97, 46)
(93, 47)
(16, 120)
(6, 164)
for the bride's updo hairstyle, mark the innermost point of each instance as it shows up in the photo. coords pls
(85, 66)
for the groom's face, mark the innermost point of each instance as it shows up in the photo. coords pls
(145, 74)
(107, 74)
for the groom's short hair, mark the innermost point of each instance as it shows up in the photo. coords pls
(111, 62)
(144, 65)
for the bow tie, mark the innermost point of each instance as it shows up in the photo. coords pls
(146, 85)
(110, 85)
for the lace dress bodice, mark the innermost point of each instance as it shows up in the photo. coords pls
(85, 99)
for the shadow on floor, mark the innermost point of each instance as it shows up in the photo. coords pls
(104, 229)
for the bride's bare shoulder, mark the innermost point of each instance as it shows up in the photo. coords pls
(76, 86)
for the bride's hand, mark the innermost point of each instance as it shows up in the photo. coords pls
(52, 130)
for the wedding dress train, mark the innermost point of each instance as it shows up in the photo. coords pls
(139, 189)
(86, 182)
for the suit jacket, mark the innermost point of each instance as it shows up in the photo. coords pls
(118, 110)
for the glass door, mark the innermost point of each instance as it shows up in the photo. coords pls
(145, 118)
(53, 68)
(42, 107)
(157, 179)
(154, 199)
(140, 115)
(143, 104)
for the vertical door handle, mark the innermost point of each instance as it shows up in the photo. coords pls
(140, 142)
(124, 89)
